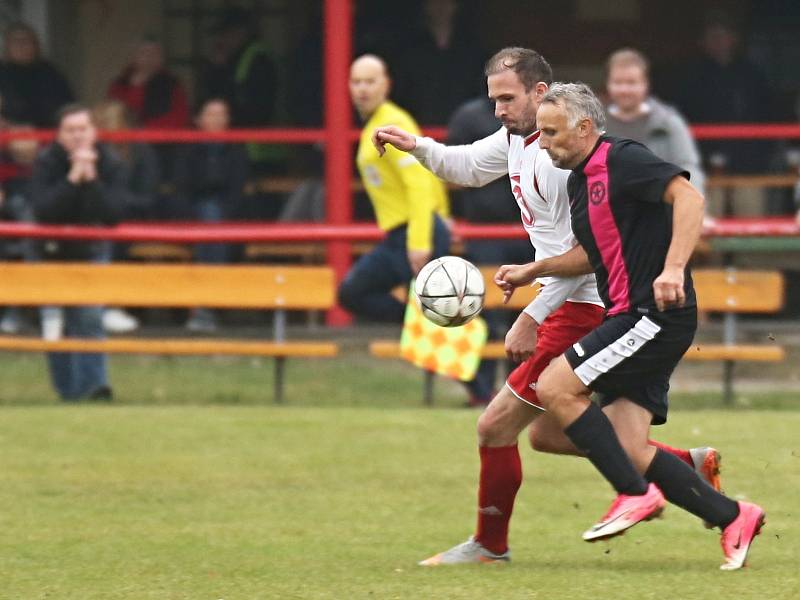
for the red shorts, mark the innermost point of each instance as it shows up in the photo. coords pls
(559, 331)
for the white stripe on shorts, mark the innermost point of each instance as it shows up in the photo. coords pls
(626, 346)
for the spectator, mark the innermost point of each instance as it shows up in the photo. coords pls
(32, 88)
(77, 181)
(210, 179)
(15, 166)
(140, 161)
(153, 95)
(141, 177)
(634, 113)
(241, 71)
(722, 86)
(430, 77)
(493, 203)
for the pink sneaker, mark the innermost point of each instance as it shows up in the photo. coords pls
(625, 512)
(739, 535)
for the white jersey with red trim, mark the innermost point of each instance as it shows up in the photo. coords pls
(540, 189)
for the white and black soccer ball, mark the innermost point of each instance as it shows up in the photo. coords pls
(450, 291)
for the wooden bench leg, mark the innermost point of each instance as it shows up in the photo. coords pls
(280, 363)
(727, 382)
(427, 393)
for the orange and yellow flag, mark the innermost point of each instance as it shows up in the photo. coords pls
(451, 351)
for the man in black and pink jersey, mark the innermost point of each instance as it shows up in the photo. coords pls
(637, 220)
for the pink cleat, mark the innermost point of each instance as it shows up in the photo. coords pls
(739, 535)
(625, 512)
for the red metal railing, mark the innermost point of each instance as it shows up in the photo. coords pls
(288, 135)
(235, 232)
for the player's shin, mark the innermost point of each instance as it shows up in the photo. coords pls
(682, 485)
(500, 478)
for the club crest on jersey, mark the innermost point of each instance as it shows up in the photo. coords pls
(597, 192)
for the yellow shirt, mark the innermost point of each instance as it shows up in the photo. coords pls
(401, 190)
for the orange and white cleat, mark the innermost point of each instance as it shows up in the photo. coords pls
(469, 552)
(625, 512)
(706, 462)
(739, 535)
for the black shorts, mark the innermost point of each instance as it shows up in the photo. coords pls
(633, 355)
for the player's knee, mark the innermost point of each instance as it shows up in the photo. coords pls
(347, 295)
(489, 427)
(547, 391)
(538, 442)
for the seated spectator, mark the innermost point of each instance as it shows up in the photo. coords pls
(139, 159)
(31, 87)
(154, 96)
(141, 177)
(634, 113)
(15, 167)
(241, 71)
(723, 86)
(77, 181)
(209, 180)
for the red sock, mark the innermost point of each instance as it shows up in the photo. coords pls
(680, 453)
(501, 476)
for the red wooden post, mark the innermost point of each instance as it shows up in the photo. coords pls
(338, 27)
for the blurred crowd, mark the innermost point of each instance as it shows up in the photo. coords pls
(436, 75)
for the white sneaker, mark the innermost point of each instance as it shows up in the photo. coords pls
(468, 552)
(116, 320)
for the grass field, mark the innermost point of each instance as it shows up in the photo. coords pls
(186, 488)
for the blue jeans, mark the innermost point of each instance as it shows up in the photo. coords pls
(366, 288)
(78, 374)
(209, 209)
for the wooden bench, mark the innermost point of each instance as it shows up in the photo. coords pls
(733, 292)
(726, 291)
(279, 289)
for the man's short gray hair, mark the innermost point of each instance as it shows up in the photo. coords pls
(580, 103)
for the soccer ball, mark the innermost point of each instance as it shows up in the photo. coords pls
(450, 291)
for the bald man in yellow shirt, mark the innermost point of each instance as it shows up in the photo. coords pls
(409, 203)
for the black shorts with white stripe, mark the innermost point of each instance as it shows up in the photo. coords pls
(632, 356)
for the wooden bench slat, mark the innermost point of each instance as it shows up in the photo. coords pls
(739, 291)
(744, 352)
(698, 352)
(167, 285)
(171, 346)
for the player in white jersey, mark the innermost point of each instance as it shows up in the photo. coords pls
(565, 309)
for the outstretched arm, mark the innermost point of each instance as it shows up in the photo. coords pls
(470, 165)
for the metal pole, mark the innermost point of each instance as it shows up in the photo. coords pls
(338, 28)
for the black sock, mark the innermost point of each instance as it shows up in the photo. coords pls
(682, 486)
(593, 434)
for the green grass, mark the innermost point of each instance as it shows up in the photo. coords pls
(351, 380)
(248, 502)
(194, 486)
